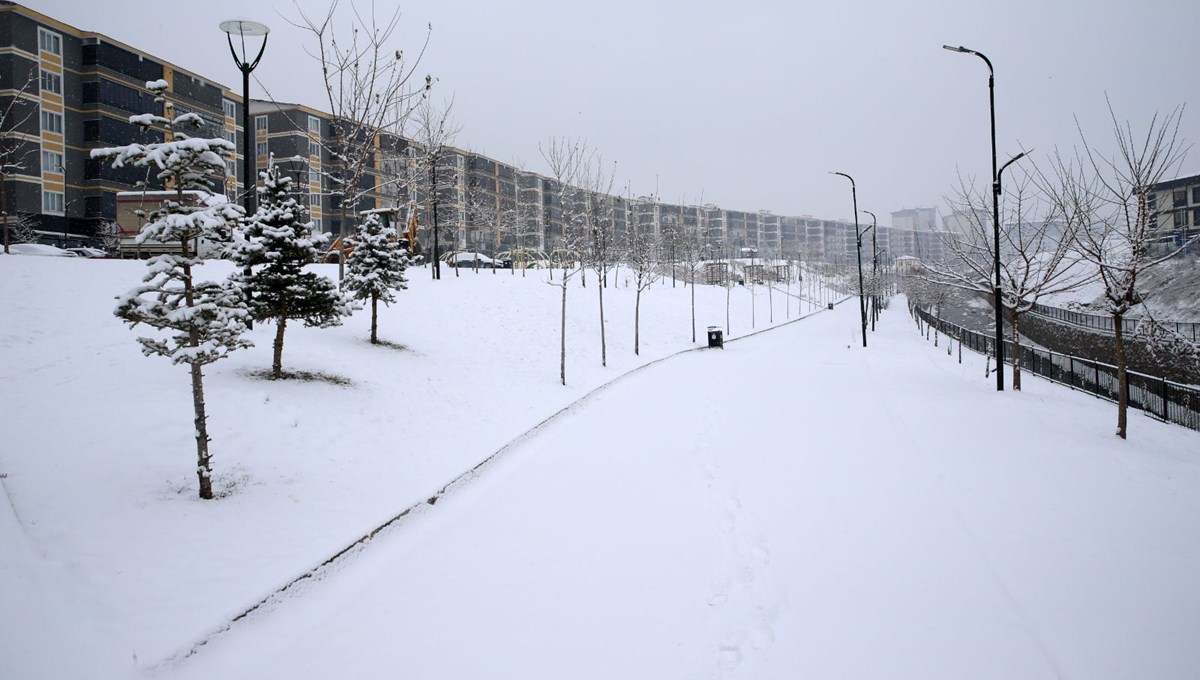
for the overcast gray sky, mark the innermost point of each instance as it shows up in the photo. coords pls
(746, 103)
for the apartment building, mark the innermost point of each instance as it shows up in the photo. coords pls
(78, 90)
(1176, 207)
(75, 90)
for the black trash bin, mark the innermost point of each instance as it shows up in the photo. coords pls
(716, 337)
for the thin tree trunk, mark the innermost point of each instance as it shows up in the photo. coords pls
(728, 330)
(693, 306)
(603, 343)
(374, 319)
(637, 320)
(1122, 377)
(341, 236)
(562, 360)
(277, 365)
(1016, 335)
(203, 459)
(4, 211)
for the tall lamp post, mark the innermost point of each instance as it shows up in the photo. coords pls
(862, 301)
(243, 28)
(995, 214)
(874, 271)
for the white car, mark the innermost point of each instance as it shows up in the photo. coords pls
(37, 249)
(84, 251)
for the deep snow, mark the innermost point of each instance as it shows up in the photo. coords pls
(792, 506)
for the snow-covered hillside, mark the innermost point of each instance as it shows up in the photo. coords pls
(1171, 291)
(794, 506)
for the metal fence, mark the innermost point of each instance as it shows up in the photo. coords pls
(1160, 398)
(1104, 323)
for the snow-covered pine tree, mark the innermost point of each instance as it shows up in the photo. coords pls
(375, 268)
(273, 247)
(203, 320)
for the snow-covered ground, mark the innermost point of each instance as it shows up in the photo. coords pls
(792, 506)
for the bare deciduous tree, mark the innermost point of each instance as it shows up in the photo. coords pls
(434, 130)
(1036, 258)
(22, 228)
(109, 234)
(1106, 200)
(19, 108)
(640, 257)
(568, 160)
(690, 250)
(368, 88)
(598, 225)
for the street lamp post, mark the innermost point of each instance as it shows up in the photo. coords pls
(995, 214)
(862, 301)
(243, 28)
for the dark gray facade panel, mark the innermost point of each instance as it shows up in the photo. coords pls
(17, 72)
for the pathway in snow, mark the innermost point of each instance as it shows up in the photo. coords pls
(792, 506)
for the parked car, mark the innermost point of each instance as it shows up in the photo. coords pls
(37, 249)
(92, 253)
(470, 261)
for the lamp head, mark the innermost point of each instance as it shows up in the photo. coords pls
(244, 27)
(960, 48)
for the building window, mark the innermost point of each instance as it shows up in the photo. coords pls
(314, 149)
(230, 108)
(1179, 198)
(51, 82)
(52, 122)
(314, 199)
(1196, 195)
(316, 224)
(52, 161)
(1181, 218)
(260, 123)
(230, 169)
(1196, 216)
(52, 202)
(260, 148)
(229, 136)
(314, 124)
(50, 42)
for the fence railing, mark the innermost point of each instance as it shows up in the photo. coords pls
(1160, 398)
(1104, 324)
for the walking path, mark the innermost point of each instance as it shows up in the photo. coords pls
(791, 506)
